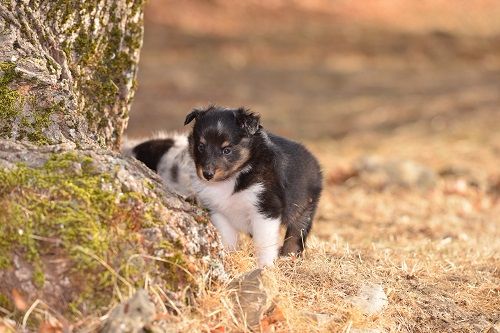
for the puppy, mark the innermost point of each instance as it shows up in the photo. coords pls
(253, 181)
(250, 180)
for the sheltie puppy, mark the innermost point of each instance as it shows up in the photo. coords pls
(250, 180)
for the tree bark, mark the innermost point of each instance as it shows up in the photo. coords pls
(69, 69)
(81, 226)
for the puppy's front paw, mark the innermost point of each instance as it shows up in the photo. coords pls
(267, 259)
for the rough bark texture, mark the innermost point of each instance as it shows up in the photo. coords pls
(68, 69)
(80, 226)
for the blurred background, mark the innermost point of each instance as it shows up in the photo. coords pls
(400, 102)
(322, 69)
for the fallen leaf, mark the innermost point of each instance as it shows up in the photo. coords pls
(19, 300)
(47, 327)
(273, 321)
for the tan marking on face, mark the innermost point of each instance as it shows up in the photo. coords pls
(199, 172)
(244, 156)
(202, 140)
(219, 175)
(225, 144)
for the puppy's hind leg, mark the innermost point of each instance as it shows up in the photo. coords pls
(299, 219)
(296, 232)
(295, 240)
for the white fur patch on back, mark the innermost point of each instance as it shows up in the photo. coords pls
(178, 157)
(128, 145)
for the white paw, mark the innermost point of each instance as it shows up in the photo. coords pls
(267, 259)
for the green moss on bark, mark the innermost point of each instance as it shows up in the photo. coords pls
(53, 200)
(67, 207)
(31, 126)
(10, 100)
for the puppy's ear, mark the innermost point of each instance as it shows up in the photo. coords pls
(195, 114)
(247, 120)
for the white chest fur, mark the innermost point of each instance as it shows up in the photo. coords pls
(239, 208)
(234, 212)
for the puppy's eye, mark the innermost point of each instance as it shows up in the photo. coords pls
(227, 151)
(201, 147)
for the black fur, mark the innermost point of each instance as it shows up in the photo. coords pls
(174, 173)
(150, 152)
(248, 121)
(290, 174)
(194, 115)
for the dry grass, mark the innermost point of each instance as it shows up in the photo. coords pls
(436, 252)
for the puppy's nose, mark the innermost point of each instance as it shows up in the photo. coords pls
(208, 175)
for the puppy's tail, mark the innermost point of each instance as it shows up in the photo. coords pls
(128, 145)
(151, 150)
(166, 154)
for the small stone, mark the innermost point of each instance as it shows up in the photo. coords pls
(23, 274)
(371, 299)
(377, 172)
(152, 235)
(249, 298)
(131, 316)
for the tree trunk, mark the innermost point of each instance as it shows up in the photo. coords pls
(69, 69)
(80, 226)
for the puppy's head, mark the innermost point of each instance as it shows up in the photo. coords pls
(220, 140)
